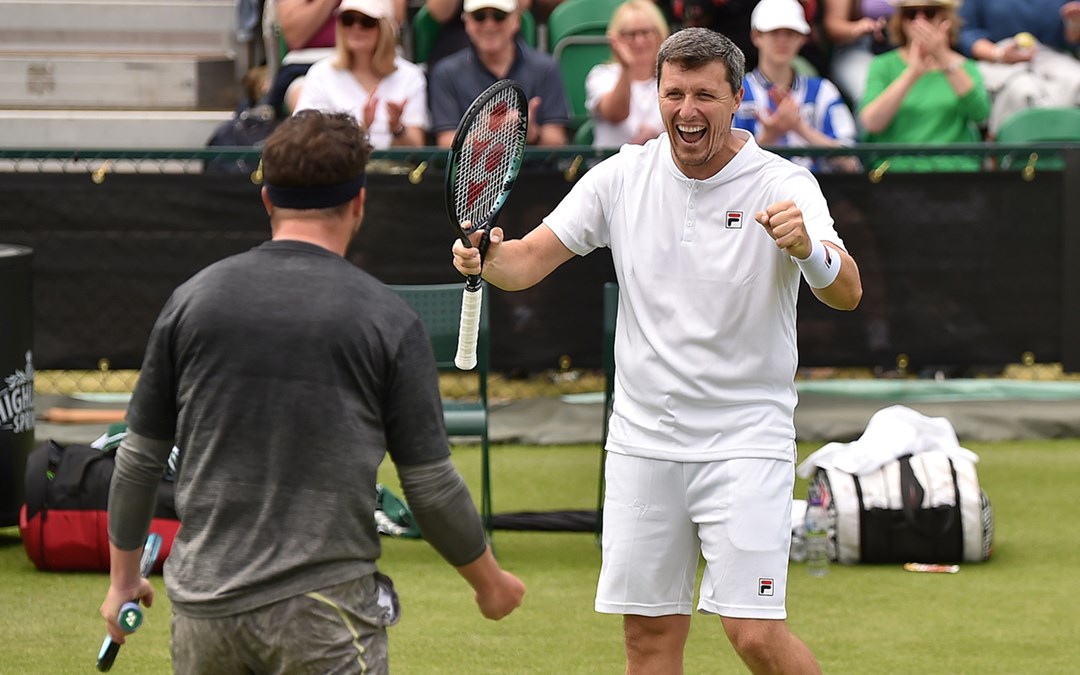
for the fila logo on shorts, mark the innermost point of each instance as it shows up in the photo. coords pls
(765, 587)
(733, 220)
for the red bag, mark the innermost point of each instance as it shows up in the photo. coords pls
(64, 522)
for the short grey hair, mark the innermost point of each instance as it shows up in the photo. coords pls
(693, 48)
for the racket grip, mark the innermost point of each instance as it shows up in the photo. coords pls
(130, 617)
(469, 329)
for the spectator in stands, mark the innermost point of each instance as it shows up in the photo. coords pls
(924, 92)
(366, 78)
(621, 95)
(452, 37)
(494, 53)
(1021, 74)
(308, 28)
(732, 18)
(856, 29)
(780, 106)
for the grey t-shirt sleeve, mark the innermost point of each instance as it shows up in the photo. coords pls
(152, 411)
(140, 464)
(413, 413)
(444, 509)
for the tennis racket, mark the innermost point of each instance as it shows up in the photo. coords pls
(130, 612)
(483, 164)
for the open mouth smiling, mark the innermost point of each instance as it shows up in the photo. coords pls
(690, 133)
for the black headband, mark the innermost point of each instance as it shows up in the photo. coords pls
(314, 196)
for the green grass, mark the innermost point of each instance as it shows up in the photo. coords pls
(1015, 614)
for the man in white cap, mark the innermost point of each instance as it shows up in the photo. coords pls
(494, 54)
(781, 106)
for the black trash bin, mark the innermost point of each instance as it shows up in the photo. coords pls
(16, 376)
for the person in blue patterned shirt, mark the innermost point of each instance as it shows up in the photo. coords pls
(783, 107)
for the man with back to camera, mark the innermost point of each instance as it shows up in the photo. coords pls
(286, 374)
(709, 235)
(494, 54)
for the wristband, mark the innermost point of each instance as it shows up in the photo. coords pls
(399, 132)
(821, 267)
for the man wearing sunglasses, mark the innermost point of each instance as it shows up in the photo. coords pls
(495, 53)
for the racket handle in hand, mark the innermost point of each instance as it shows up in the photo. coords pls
(130, 617)
(469, 329)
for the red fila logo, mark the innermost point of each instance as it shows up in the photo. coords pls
(733, 220)
(765, 587)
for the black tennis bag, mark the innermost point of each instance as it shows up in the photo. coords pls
(64, 522)
(923, 508)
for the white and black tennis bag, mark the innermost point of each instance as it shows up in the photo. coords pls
(904, 491)
(926, 508)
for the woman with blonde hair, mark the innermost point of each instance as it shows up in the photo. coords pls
(366, 78)
(621, 95)
(924, 92)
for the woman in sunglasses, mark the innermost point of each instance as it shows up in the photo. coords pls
(366, 78)
(924, 92)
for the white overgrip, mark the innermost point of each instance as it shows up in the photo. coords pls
(471, 302)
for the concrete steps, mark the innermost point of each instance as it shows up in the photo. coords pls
(145, 129)
(133, 26)
(118, 81)
(117, 73)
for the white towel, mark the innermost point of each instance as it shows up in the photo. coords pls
(891, 433)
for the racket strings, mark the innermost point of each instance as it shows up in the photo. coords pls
(489, 158)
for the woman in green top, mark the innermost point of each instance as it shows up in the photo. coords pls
(924, 92)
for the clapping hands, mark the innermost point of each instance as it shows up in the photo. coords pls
(930, 45)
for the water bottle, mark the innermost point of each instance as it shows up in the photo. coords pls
(817, 534)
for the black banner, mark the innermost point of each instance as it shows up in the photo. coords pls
(958, 269)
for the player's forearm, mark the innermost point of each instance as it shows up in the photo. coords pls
(444, 510)
(140, 464)
(522, 263)
(482, 573)
(124, 567)
(845, 292)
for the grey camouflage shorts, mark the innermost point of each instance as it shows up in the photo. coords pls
(340, 629)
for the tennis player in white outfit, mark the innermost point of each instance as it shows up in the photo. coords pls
(710, 236)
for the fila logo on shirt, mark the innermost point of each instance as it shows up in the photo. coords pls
(765, 587)
(733, 220)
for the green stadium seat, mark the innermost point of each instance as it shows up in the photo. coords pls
(1039, 125)
(584, 133)
(425, 30)
(576, 35)
(579, 17)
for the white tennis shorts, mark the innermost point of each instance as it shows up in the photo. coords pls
(660, 517)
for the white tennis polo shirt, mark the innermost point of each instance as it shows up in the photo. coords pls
(705, 345)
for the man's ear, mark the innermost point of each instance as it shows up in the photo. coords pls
(266, 201)
(358, 203)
